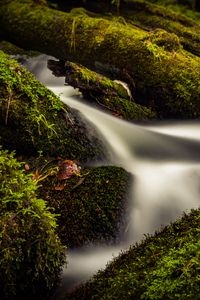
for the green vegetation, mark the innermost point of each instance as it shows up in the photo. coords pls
(163, 266)
(152, 16)
(111, 96)
(90, 204)
(188, 7)
(166, 79)
(155, 50)
(31, 253)
(33, 119)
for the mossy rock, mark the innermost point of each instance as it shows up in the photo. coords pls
(33, 119)
(163, 266)
(91, 204)
(32, 255)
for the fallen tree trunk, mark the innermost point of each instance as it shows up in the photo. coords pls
(111, 96)
(33, 119)
(153, 16)
(150, 16)
(165, 77)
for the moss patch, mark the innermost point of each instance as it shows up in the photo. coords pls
(90, 203)
(152, 16)
(166, 81)
(181, 7)
(169, 41)
(31, 253)
(111, 96)
(163, 266)
(33, 119)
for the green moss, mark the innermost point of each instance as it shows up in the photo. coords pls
(155, 84)
(152, 16)
(165, 81)
(92, 211)
(169, 41)
(90, 204)
(111, 96)
(32, 118)
(182, 7)
(31, 253)
(163, 266)
(153, 69)
(77, 11)
(92, 80)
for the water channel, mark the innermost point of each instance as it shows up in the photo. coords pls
(164, 158)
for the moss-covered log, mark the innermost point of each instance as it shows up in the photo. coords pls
(163, 266)
(151, 16)
(91, 202)
(165, 77)
(31, 254)
(112, 96)
(187, 7)
(147, 16)
(33, 119)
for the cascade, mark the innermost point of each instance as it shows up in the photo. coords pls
(163, 158)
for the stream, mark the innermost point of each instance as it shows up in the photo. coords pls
(164, 158)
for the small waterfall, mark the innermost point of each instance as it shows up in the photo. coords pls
(164, 159)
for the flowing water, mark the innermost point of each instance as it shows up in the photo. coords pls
(164, 159)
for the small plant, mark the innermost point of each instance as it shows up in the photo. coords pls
(155, 50)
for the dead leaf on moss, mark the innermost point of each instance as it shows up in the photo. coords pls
(67, 168)
(59, 187)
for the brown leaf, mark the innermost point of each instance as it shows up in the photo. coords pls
(67, 168)
(59, 187)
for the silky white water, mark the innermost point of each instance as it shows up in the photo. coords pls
(164, 159)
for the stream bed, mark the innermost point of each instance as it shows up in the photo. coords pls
(163, 157)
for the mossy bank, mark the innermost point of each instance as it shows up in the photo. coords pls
(33, 119)
(32, 255)
(163, 266)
